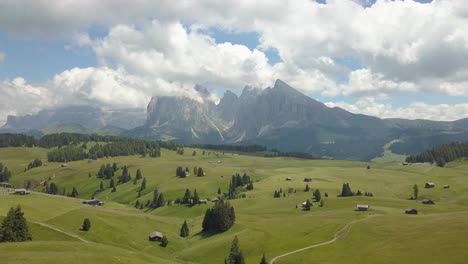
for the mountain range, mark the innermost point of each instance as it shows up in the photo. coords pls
(278, 117)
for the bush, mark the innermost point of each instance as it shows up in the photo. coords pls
(86, 224)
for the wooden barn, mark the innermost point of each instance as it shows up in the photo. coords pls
(429, 185)
(362, 207)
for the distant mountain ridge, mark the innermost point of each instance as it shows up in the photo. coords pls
(278, 117)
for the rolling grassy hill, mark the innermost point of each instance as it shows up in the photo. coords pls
(264, 224)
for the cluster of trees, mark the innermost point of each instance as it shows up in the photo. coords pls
(35, 163)
(158, 199)
(219, 218)
(237, 148)
(441, 154)
(239, 181)
(65, 139)
(180, 172)
(188, 198)
(14, 227)
(299, 155)
(125, 148)
(107, 171)
(180, 151)
(5, 173)
(277, 194)
(125, 177)
(346, 192)
(66, 153)
(53, 189)
(198, 171)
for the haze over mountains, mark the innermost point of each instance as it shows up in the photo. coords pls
(278, 117)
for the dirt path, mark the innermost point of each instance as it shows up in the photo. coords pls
(338, 235)
(63, 232)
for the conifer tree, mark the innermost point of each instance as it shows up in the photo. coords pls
(111, 184)
(219, 190)
(263, 261)
(184, 230)
(143, 184)
(154, 204)
(138, 174)
(317, 195)
(137, 204)
(187, 197)
(161, 201)
(196, 198)
(307, 188)
(307, 205)
(74, 192)
(14, 227)
(235, 255)
(415, 191)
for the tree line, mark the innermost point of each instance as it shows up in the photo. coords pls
(237, 148)
(441, 154)
(299, 155)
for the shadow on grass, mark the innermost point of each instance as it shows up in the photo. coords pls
(205, 234)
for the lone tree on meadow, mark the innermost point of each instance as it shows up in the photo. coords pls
(86, 225)
(74, 192)
(138, 174)
(235, 255)
(346, 190)
(219, 218)
(14, 227)
(415, 191)
(184, 230)
(263, 261)
(307, 188)
(307, 205)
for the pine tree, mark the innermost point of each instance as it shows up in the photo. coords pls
(263, 261)
(114, 189)
(219, 218)
(307, 188)
(200, 172)
(196, 198)
(184, 230)
(235, 255)
(187, 197)
(86, 225)
(194, 153)
(317, 195)
(321, 203)
(346, 190)
(138, 174)
(137, 204)
(154, 204)
(219, 190)
(164, 241)
(111, 184)
(74, 192)
(161, 201)
(143, 184)
(415, 191)
(14, 227)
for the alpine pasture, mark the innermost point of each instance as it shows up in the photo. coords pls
(274, 226)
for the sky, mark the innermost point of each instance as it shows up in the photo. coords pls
(406, 59)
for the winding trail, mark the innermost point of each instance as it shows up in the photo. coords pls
(338, 235)
(61, 231)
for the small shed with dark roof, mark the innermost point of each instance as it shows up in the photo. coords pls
(427, 201)
(411, 211)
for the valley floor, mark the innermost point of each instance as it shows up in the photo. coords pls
(274, 226)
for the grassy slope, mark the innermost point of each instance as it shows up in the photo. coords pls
(264, 224)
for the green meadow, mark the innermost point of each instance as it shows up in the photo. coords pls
(274, 226)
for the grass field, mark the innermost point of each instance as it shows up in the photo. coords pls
(438, 234)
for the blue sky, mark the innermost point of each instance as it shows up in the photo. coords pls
(371, 59)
